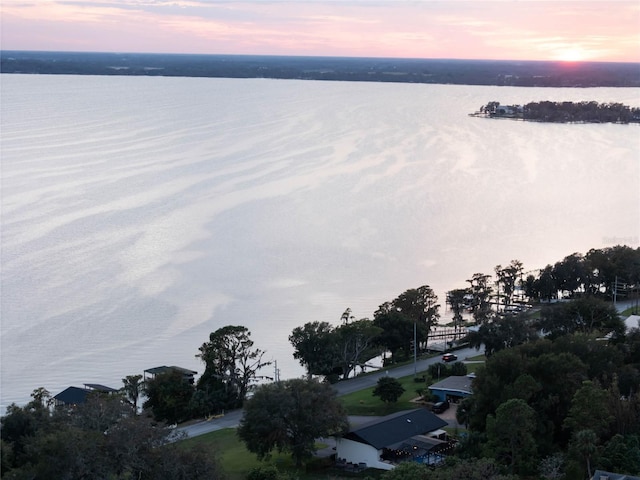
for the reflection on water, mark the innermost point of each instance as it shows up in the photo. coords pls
(140, 214)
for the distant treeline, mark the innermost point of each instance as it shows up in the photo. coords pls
(402, 70)
(563, 112)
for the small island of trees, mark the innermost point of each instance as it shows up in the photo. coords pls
(562, 112)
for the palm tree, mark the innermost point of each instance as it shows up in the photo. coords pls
(131, 389)
(585, 445)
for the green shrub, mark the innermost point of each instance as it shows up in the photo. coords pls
(264, 472)
(458, 369)
(439, 371)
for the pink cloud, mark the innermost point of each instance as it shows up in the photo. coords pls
(600, 30)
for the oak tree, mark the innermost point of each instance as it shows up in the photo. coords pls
(288, 416)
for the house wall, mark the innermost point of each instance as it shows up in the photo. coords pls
(356, 452)
(443, 393)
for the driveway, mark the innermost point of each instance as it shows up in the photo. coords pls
(232, 419)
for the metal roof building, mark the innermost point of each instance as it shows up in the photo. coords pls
(454, 387)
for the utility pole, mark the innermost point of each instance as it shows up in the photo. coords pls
(415, 350)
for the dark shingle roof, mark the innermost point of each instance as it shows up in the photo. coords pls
(100, 388)
(390, 430)
(76, 395)
(72, 396)
(164, 368)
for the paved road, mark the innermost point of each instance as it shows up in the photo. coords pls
(366, 381)
(231, 419)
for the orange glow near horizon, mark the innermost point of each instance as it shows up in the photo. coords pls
(572, 55)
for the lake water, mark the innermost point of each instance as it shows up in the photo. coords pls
(140, 214)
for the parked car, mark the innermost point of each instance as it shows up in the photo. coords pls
(440, 407)
(449, 357)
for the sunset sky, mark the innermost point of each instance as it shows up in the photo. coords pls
(474, 29)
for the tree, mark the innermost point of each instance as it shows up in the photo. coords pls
(625, 410)
(590, 410)
(95, 441)
(266, 472)
(408, 471)
(584, 315)
(388, 389)
(99, 412)
(611, 266)
(289, 416)
(458, 300)
(315, 347)
(546, 285)
(132, 387)
(356, 344)
(231, 365)
(471, 469)
(421, 306)
(510, 435)
(18, 426)
(396, 334)
(480, 294)
(508, 278)
(621, 454)
(464, 411)
(552, 467)
(501, 333)
(169, 396)
(584, 445)
(572, 274)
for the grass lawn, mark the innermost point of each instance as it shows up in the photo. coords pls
(237, 461)
(364, 403)
(477, 358)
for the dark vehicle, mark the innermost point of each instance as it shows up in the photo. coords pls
(449, 357)
(440, 407)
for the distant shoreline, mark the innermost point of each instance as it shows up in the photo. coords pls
(398, 70)
(562, 112)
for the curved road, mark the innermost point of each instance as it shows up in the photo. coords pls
(231, 419)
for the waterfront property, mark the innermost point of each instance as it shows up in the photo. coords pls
(75, 395)
(189, 375)
(410, 435)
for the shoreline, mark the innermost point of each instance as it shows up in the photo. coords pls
(351, 69)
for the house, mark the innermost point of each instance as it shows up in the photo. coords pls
(632, 321)
(75, 395)
(187, 374)
(386, 441)
(601, 475)
(453, 388)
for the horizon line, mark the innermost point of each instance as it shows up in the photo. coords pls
(89, 52)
